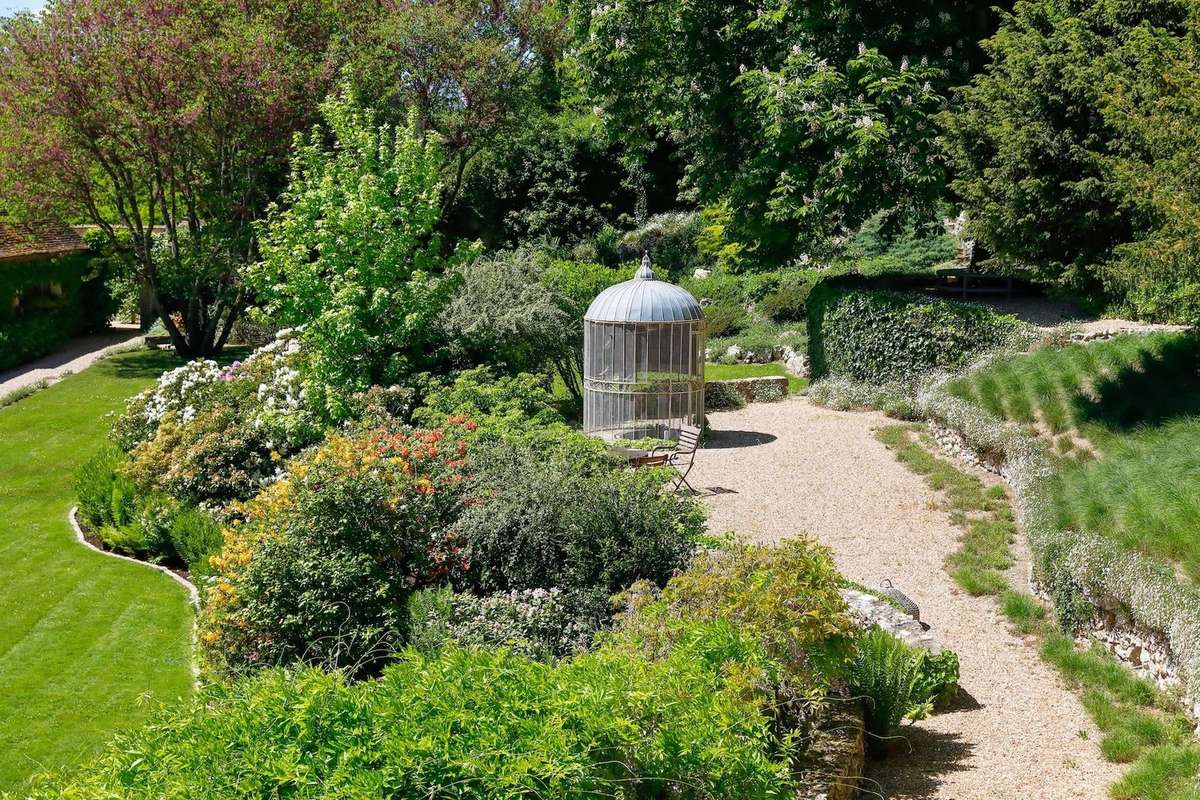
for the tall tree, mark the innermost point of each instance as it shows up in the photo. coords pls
(1032, 143)
(167, 124)
(469, 68)
(799, 120)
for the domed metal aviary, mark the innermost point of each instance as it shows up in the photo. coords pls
(643, 360)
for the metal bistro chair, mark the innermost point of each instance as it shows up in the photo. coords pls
(681, 455)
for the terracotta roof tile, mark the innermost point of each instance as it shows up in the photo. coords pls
(43, 239)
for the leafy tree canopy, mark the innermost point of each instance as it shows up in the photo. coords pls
(350, 251)
(806, 119)
(1038, 133)
(162, 119)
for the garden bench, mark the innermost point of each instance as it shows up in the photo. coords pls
(965, 282)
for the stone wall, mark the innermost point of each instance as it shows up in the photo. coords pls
(833, 766)
(1146, 651)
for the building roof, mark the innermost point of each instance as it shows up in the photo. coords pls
(644, 299)
(26, 241)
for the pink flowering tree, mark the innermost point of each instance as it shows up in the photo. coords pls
(167, 124)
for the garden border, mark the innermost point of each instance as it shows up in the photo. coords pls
(1148, 594)
(192, 590)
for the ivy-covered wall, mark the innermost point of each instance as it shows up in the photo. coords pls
(44, 302)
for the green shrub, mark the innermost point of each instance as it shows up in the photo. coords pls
(787, 303)
(321, 563)
(896, 682)
(788, 598)
(105, 497)
(504, 314)
(536, 623)
(725, 319)
(499, 407)
(26, 339)
(480, 725)
(540, 522)
(195, 536)
(719, 396)
(885, 336)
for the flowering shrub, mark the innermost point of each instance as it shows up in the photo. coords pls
(216, 456)
(196, 385)
(537, 623)
(319, 565)
(212, 433)
(266, 390)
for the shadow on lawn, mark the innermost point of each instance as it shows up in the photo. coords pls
(152, 363)
(1161, 386)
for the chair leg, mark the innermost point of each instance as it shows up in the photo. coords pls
(683, 481)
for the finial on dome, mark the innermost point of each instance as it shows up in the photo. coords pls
(645, 273)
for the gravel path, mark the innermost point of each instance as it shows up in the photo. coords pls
(777, 470)
(79, 354)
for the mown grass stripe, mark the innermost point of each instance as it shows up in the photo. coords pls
(85, 639)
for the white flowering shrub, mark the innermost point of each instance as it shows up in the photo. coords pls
(184, 390)
(207, 433)
(266, 390)
(538, 623)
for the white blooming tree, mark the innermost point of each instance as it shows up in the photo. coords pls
(799, 119)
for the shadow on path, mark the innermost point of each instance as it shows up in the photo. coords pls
(918, 765)
(722, 440)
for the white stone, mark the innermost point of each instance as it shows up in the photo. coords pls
(701, 274)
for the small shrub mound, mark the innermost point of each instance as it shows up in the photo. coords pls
(884, 336)
(898, 682)
(788, 597)
(472, 724)
(537, 623)
(539, 522)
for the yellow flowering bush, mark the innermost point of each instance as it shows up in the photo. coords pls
(319, 565)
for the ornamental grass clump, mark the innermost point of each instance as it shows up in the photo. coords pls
(319, 565)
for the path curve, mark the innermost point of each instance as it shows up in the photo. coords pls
(775, 470)
(76, 356)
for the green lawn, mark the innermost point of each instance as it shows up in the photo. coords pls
(86, 642)
(1124, 417)
(728, 372)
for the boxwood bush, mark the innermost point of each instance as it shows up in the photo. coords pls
(538, 522)
(883, 336)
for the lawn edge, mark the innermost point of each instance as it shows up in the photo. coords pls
(193, 592)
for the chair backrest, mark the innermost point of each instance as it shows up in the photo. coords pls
(689, 439)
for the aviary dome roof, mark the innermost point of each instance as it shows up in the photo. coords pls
(644, 299)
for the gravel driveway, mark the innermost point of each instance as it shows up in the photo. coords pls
(775, 470)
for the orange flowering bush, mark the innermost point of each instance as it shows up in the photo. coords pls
(318, 567)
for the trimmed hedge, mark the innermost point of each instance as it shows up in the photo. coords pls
(884, 336)
(84, 306)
